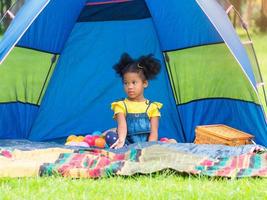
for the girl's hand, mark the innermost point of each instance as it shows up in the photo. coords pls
(122, 131)
(118, 144)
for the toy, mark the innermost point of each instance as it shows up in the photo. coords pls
(94, 140)
(80, 144)
(166, 140)
(96, 133)
(94, 137)
(111, 137)
(80, 138)
(74, 138)
(172, 141)
(89, 140)
(97, 139)
(6, 154)
(71, 138)
(100, 142)
(83, 144)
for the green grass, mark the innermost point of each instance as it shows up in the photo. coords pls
(163, 186)
(260, 44)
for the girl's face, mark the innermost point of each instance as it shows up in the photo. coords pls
(134, 86)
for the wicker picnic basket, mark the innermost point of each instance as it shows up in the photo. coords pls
(221, 134)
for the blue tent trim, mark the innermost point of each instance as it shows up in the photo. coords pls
(101, 2)
(181, 24)
(216, 98)
(16, 119)
(193, 46)
(244, 116)
(31, 48)
(12, 102)
(130, 10)
(52, 27)
(244, 122)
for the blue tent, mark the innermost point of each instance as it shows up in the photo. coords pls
(206, 78)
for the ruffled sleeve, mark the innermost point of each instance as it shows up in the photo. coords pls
(118, 107)
(154, 108)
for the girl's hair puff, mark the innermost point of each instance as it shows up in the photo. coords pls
(147, 66)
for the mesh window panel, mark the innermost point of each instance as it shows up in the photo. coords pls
(261, 85)
(242, 33)
(254, 65)
(23, 75)
(208, 72)
(247, 43)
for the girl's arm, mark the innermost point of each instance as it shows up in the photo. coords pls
(122, 131)
(154, 124)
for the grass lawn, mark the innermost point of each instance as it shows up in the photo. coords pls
(260, 44)
(156, 186)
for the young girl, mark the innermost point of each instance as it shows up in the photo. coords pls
(136, 116)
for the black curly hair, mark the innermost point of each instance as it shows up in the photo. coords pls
(147, 66)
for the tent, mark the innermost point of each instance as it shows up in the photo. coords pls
(207, 74)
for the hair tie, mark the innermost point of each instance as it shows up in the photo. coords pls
(139, 66)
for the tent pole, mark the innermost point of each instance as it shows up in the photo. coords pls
(245, 27)
(167, 60)
(257, 63)
(53, 60)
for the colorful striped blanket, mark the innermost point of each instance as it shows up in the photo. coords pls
(94, 163)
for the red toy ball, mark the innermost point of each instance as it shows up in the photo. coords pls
(164, 139)
(89, 140)
(95, 137)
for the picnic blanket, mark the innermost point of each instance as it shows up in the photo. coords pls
(17, 163)
(210, 160)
